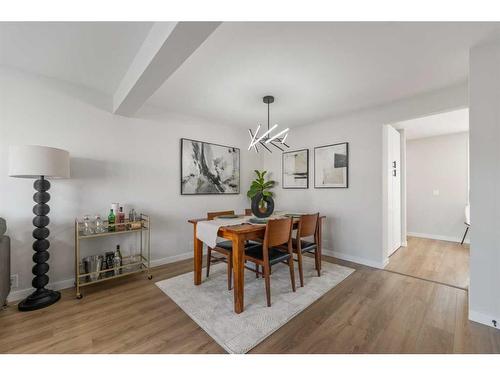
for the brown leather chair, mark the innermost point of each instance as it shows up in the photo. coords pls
(308, 227)
(278, 232)
(225, 248)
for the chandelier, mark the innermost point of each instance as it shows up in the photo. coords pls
(267, 139)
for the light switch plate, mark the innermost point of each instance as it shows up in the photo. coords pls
(435, 192)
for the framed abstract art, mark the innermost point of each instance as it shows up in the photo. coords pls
(331, 166)
(295, 169)
(208, 168)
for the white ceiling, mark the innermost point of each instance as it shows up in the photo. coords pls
(316, 70)
(440, 124)
(92, 54)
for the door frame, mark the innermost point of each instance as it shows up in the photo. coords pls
(385, 189)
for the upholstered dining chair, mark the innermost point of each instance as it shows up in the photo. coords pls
(278, 233)
(224, 248)
(308, 227)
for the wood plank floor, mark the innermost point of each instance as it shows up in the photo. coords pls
(441, 261)
(372, 311)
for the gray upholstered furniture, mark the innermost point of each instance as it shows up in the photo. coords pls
(4, 264)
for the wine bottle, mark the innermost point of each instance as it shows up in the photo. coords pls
(121, 219)
(111, 221)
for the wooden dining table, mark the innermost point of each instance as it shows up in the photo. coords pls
(238, 234)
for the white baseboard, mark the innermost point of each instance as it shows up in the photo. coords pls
(355, 259)
(23, 293)
(17, 295)
(438, 237)
(478, 317)
(171, 259)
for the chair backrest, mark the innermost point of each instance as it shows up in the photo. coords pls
(278, 232)
(307, 225)
(248, 212)
(212, 215)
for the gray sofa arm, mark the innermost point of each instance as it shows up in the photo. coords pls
(4, 264)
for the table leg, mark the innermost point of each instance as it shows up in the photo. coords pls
(198, 258)
(320, 246)
(238, 274)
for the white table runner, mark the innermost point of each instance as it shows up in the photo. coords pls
(206, 231)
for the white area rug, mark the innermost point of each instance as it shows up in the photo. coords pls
(210, 304)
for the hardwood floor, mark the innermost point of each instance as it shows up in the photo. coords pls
(441, 261)
(372, 311)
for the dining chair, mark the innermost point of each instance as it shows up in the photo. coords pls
(225, 248)
(308, 227)
(278, 232)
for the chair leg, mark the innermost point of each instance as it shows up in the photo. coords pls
(317, 260)
(301, 271)
(268, 284)
(229, 273)
(209, 260)
(465, 234)
(292, 272)
(257, 267)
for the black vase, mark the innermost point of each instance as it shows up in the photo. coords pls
(256, 203)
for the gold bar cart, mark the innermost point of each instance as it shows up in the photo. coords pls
(139, 262)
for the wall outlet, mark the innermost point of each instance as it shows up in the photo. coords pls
(435, 192)
(14, 281)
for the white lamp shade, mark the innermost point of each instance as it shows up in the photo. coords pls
(36, 161)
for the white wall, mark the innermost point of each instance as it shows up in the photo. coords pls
(484, 118)
(113, 159)
(437, 163)
(355, 220)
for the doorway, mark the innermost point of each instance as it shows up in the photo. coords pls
(433, 194)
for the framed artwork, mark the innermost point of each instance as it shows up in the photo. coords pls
(295, 169)
(208, 168)
(331, 166)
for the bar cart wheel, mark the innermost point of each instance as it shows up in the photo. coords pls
(79, 296)
(150, 277)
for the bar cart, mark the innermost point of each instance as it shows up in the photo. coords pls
(135, 263)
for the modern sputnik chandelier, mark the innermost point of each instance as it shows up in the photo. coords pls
(277, 140)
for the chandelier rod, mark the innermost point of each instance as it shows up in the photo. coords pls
(268, 115)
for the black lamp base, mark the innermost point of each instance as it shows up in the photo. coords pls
(39, 299)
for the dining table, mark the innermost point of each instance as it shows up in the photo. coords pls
(239, 234)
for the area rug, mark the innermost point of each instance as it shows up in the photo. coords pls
(210, 304)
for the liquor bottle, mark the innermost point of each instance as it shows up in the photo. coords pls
(117, 260)
(111, 221)
(121, 219)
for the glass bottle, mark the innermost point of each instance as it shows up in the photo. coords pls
(118, 260)
(99, 225)
(121, 219)
(87, 226)
(132, 216)
(111, 221)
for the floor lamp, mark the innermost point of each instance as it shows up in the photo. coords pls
(41, 163)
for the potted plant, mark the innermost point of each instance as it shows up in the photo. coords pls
(260, 194)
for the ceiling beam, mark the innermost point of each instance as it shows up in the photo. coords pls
(164, 50)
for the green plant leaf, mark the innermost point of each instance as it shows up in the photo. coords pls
(269, 184)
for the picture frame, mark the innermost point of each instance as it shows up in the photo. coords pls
(295, 169)
(208, 168)
(331, 166)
